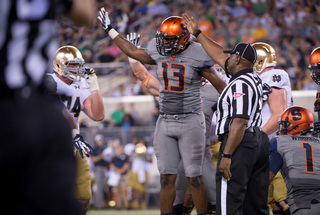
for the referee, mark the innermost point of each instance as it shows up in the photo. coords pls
(243, 163)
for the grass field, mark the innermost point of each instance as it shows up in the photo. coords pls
(131, 212)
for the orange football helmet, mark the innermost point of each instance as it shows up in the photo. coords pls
(172, 37)
(296, 121)
(314, 65)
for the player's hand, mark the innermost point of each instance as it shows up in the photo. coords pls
(82, 146)
(104, 19)
(134, 39)
(266, 90)
(191, 23)
(91, 79)
(89, 71)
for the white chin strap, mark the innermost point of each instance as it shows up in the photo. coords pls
(271, 65)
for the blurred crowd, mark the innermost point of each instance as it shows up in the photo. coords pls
(292, 27)
(122, 173)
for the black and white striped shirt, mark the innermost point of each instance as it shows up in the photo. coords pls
(242, 98)
(28, 41)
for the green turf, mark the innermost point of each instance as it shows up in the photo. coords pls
(130, 212)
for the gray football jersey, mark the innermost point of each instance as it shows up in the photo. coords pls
(300, 169)
(209, 96)
(179, 77)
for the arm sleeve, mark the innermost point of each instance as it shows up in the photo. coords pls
(274, 157)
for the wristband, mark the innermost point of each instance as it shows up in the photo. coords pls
(131, 60)
(197, 33)
(74, 132)
(113, 33)
(226, 155)
(93, 83)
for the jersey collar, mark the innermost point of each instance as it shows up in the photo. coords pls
(241, 72)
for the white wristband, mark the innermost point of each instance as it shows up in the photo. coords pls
(131, 60)
(113, 33)
(74, 132)
(94, 86)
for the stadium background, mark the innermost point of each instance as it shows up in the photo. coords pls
(292, 27)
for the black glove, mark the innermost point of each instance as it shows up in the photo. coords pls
(82, 145)
(266, 90)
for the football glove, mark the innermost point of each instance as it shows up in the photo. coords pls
(134, 39)
(82, 146)
(104, 19)
(91, 78)
(266, 90)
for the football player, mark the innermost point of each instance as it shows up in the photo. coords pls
(278, 100)
(180, 128)
(296, 153)
(314, 67)
(209, 96)
(79, 90)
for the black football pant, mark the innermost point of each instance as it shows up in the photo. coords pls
(247, 191)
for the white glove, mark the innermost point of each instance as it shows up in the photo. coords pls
(91, 78)
(81, 144)
(134, 39)
(105, 21)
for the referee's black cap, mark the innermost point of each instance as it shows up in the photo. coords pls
(244, 50)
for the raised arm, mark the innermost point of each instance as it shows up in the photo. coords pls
(213, 49)
(93, 105)
(126, 46)
(150, 82)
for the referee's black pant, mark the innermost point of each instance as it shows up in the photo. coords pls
(247, 191)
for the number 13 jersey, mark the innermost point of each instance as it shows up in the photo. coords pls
(179, 77)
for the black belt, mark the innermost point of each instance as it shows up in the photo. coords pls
(248, 130)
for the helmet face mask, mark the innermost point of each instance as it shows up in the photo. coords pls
(172, 37)
(314, 65)
(69, 63)
(315, 72)
(266, 56)
(296, 121)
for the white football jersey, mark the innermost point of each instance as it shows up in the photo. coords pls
(73, 96)
(276, 78)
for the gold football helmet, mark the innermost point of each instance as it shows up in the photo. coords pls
(68, 56)
(140, 149)
(266, 56)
